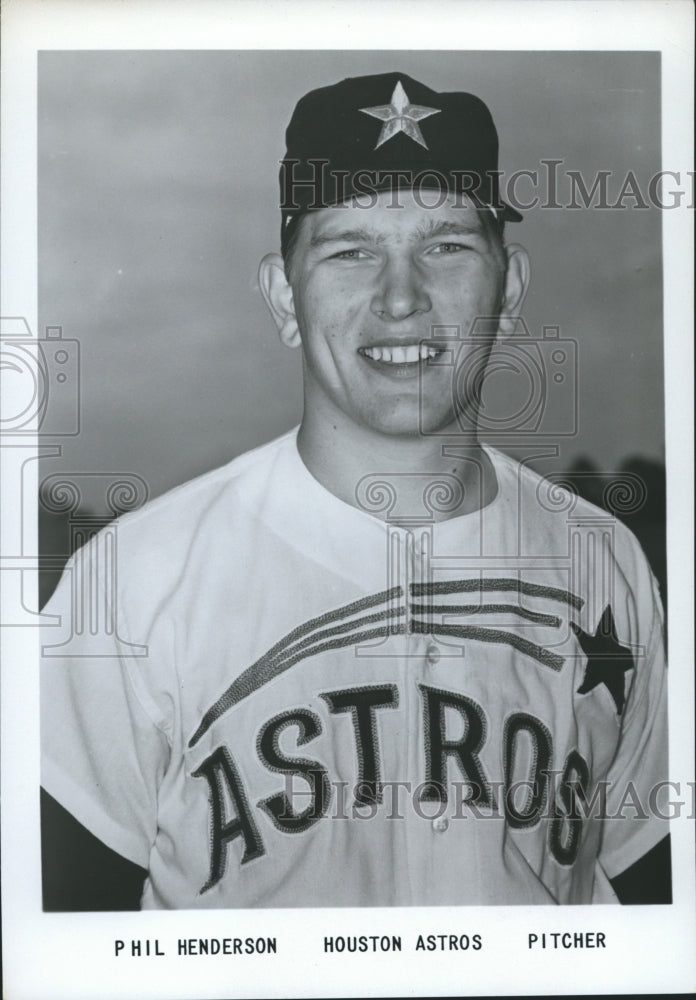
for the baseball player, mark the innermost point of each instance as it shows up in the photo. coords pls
(373, 662)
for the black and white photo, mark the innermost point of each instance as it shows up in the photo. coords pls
(350, 450)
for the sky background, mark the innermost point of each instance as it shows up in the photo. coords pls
(158, 197)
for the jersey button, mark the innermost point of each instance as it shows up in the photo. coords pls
(432, 654)
(440, 824)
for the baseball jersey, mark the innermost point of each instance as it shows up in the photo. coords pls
(267, 697)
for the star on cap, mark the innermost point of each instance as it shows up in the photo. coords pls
(400, 116)
(607, 659)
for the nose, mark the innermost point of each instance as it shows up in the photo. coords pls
(400, 291)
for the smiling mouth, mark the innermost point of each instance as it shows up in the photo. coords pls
(405, 354)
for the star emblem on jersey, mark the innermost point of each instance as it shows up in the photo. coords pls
(400, 116)
(607, 659)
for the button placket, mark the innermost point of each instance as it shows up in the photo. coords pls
(432, 654)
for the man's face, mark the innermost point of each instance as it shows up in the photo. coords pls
(370, 287)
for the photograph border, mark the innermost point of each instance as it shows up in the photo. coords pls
(75, 955)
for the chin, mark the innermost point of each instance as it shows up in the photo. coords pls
(413, 424)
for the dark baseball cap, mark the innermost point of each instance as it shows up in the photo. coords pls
(385, 132)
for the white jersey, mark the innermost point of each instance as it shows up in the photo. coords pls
(267, 697)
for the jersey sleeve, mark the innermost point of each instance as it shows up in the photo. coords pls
(636, 816)
(104, 746)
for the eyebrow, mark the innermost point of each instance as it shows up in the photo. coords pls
(427, 231)
(444, 228)
(346, 236)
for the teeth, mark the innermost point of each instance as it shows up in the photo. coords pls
(401, 355)
(428, 352)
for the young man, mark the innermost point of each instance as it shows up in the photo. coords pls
(371, 663)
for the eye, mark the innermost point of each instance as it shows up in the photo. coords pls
(448, 248)
(353, 253)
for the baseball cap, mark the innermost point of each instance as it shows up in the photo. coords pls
(385, 132)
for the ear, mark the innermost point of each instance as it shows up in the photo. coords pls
(516, 284)
(277, 295)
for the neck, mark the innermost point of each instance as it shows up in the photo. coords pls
(391, 477)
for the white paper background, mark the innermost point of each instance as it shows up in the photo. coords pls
(72, 955)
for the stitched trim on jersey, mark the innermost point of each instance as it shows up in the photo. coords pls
(277, 807)
(485, 609)
(308, 724)
(436, 770)
(541, 754)
(287, 652)
(531, 649)
(331, 616)
(566, 826)
(496, 583)
(343, 629)
(368, 789)
(219, 767)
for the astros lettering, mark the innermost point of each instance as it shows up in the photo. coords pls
(366, 705)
